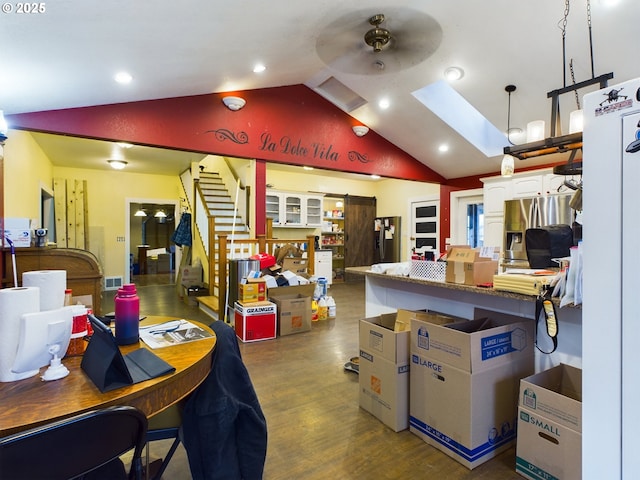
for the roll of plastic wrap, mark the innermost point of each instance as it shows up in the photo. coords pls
(14, 302)
(52, 284)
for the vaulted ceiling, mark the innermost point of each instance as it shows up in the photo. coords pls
(66, 54)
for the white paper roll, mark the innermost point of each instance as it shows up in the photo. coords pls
(14, 302)
(52, 284)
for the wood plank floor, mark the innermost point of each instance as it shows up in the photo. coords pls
(316, 428)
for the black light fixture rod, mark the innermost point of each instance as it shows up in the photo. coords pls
(593, 74)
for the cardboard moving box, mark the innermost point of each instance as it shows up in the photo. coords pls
(294, 312)
(464, 383)
(252, 290)
(550, 425)
(255, 321)
(466, 266)
(297, 265)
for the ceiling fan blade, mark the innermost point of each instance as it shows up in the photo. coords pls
(414, 37)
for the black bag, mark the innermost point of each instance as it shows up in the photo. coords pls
(544, 243)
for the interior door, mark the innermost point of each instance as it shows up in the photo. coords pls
(359, 216)
(425, 227)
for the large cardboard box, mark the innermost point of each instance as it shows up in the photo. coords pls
(555, 393)
(255, 321)
(297, 265)
(466, 266)
(294, 312)
(547, 449)
(305, 290)
(383, 371)
(252, 290)
(475, 345)
(464, 383)
(469, 416)
(191, 275)
(550, 424)
(384, 365)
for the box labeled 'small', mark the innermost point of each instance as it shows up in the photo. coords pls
(550, 424)
(255, 321)
(546, 449)
(466, 266)
(294, 312)
(464, 383)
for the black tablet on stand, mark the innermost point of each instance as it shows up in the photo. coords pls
(109, 369)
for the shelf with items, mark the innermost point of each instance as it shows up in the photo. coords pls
(291, 209)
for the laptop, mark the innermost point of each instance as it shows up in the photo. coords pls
(109, 369)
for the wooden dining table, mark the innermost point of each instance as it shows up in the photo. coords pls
(32, 402)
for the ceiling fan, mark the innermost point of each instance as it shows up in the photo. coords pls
(387, 42)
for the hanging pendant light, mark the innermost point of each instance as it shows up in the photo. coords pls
(507, 168)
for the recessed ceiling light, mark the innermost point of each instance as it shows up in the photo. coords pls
(307, 168)
(123, 77)
(384, 103)
(375, 177)
(443, 148)
(259, 68)
(124, 145)
(453, 73)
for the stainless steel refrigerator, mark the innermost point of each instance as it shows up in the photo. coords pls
(387, 240)
(535, 212)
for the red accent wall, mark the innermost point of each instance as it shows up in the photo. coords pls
(292, 125)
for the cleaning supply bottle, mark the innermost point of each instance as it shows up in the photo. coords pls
(331, 308)
(314, 310)
(127, 310)
(323, 312)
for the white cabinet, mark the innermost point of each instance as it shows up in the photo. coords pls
(323, 264)
(553, 184)
(496, 191)
(290, 209)
(527, 186)
(493, 231)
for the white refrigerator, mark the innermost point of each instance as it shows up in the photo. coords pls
(611, 305)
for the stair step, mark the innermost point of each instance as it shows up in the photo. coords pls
(224, 208)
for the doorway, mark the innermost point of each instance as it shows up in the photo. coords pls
(150, 256)
(467, 218)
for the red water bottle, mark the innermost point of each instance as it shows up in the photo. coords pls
(127, 309)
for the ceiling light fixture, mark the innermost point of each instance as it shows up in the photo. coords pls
(234, 103)
(377, 37)
(124, 145)
(307, 168)
(160, 214)
(117, 164)
(443, 148)
(259, 68)
(384, 103)
(375, 177)
(3, 128)
(140, 213)
(507, 167)
(556, 142)
(453, 73)
(360, 130)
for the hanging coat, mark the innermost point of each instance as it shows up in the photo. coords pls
(182, 235)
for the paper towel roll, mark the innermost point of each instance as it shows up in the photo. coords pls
(14, 302)
(52, 284)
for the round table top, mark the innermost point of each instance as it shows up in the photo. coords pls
(31, 402)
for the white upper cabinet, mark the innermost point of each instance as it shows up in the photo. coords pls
(290, 209)
(496, 190)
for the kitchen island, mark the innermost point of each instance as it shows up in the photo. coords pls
(386, 293)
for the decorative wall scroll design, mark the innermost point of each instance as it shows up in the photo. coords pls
(223, 134)
(357, 156)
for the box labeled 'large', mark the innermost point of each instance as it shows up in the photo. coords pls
(470, 417)
(475, 345)
(547, 449)
(255, 321)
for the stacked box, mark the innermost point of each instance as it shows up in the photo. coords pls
(255, 321)
(464, 382)
(467, 267)
(252, 290)
(384, 365)
(550, 425)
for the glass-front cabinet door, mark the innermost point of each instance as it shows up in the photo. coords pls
(313, 211)
(292, 209)
(274, 208)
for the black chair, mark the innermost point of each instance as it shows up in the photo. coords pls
(86, 446)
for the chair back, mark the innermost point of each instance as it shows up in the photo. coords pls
(75, 446)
